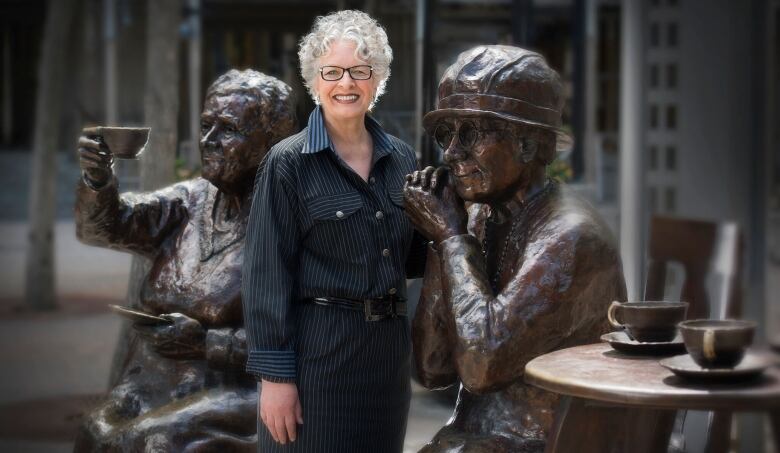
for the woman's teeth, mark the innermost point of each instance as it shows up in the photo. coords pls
(346, 98)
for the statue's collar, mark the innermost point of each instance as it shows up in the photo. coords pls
(517, 205)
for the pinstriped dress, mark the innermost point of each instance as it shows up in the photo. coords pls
(317, 229)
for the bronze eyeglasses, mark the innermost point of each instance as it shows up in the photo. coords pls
(468, 133)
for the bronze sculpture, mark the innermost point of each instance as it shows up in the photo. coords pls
(183, 386)
(519, 265)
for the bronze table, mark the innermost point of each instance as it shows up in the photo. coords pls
(614, 402)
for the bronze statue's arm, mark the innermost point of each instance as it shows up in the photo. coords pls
(136, 223)
(496, 335)
(431, 341)
(226, 347)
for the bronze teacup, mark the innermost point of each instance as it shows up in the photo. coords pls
(716, 343)
(654, 321)
(124, 142)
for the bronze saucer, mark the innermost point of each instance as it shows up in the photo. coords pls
(620, 341)
(751, 366)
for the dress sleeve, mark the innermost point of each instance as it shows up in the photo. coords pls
(268, 280)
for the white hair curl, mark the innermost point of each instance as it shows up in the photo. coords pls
(369, 37)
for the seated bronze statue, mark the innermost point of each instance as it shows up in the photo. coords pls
(518, 266)
(183, 385)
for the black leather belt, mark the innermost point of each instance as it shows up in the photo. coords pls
(373, 309)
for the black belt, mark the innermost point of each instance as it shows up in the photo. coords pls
(373, 309)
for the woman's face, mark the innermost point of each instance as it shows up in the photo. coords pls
(345, 98)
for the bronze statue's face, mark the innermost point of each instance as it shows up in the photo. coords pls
(484, 157)
(232, 143)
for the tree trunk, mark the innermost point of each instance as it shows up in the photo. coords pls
(161, 110)
(40, 282)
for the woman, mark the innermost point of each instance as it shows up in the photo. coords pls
(328, 252)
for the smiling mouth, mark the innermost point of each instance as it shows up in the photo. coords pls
(346, 98)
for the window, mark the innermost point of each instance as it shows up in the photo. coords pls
(671, 75)
(653, 76)
(671, 158)
(653, 157)
(653, 116)
(671, 117)
(671, 199)
(652, 199)
(655, 35)
(671, 34)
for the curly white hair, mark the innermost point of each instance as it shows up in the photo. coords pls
(356, 26)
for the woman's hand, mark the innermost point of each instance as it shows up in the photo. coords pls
(95, 159)
(183, 339)
(432, 204)
(280, 410)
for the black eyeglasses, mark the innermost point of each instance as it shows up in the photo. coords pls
(333, 73)
(467, 133)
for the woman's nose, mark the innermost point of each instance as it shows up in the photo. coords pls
(346, 81)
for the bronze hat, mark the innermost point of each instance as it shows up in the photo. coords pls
(504, 82)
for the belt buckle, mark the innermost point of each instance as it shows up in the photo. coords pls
(369, 315)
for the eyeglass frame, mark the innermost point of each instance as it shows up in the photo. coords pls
(456, 133)
(347, 70)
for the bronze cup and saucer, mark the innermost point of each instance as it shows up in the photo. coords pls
(646, 327)
(717, 351)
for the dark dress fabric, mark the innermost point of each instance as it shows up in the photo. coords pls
(317, 229)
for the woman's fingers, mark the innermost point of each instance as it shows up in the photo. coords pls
(270, 423)
(299, 412)
(291, 427)
(281, 429)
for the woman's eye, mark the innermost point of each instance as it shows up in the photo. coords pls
(332, 72)
(205, 127)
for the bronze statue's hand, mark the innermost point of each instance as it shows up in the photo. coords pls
(184, 339)
(95, 159)
(432, 204)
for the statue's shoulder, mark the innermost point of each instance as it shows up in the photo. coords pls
(572, 218)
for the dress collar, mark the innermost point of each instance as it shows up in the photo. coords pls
(317, 138)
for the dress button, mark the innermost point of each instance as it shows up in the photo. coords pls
(372, 180)
(386, 252)
(391, 291)
(339, 214)
(380, 215)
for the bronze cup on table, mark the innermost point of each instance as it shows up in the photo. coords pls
(123, 142)
(652, 321)
(717, 343)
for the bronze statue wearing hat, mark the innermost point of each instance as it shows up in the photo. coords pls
(518, 265)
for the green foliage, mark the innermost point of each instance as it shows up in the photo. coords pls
(560, 170)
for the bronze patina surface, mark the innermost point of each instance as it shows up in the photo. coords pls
(519, 265)
(183, 386)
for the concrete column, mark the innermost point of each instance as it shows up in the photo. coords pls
(194, 46)
(632, 181)
(590, 144)
(419, 50)
(109, 58)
